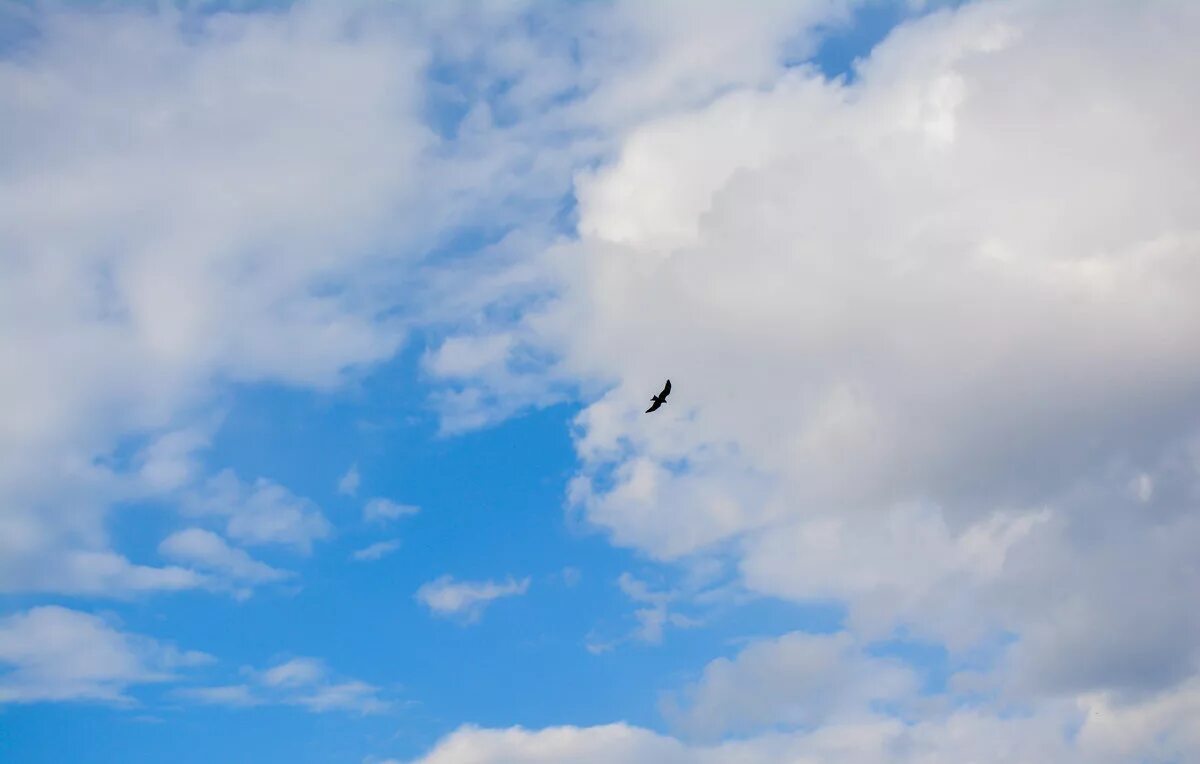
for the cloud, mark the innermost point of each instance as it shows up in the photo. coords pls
(964, 735)
(466, 600)
(939, 308)
(380, 510)
(304, 682)
(260, 513)
(653, 619)
(237, 695)
(207, 550)
(348, 483)
(52, 653)
(805, 709)
(795, 681)
(189, 242)
(293, 673)
(376, 551)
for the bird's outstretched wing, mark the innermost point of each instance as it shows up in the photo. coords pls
(654, 406)
(666, 390)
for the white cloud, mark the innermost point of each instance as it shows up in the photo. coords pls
(52, 653)
(380, 510)
(376, 551)
(932, 334)
(965, 735)
(466, 599)
(945, 308)
(210, 229)
(348, 483)
(253, 204)
(262, 513)
(208, 551)
(795, 681)
(292, 673)
(304, 682)
(1086, 730)
(652, 620)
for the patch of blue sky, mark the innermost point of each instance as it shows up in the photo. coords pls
(843, 44)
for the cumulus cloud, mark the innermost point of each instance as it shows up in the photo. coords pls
(52, 653)
(932, 329)
(965, 735)
(939, 308)
(933, 337)
(466, 600)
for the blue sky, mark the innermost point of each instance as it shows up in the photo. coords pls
(329, 330)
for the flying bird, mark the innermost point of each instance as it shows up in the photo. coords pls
(661, 398)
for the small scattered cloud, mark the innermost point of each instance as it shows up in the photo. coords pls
(293, 673)
(466, 600)
(208, 551)
(376, 551)
(798, 680)
(263, 512)
(654, 618)
(380, 510)
(302, 681)
(53, 653)
(222, 695)
(348, 483)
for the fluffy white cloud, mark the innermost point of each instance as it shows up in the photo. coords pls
(254, 202)
(925, 329)
(52, 653)
(933, 337)
(966, 735)
(466, 600)
(205, 230)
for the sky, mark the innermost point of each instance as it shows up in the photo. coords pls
(326, 332)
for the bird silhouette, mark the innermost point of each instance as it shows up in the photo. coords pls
(661, 398)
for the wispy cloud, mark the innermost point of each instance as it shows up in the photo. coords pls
(211, 553)
(466, 600)
(381, 510)
(262, 512)
(376, 551)
(304, 682)
(348, 483)
(53, 653)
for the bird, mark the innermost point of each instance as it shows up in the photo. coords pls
(661, 398)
